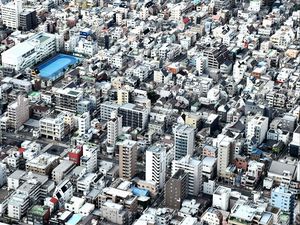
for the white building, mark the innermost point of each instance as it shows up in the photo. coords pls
(221, 198)
(156, 165)
(258, 127)
(85, 182)
(184, 141)
(201, 64)
(10, 13)
(52, 127)
(212, 216)
(84, 123)
(114, 128)
(74, 204)
(3, 176)
(29, 52)
(89, 157)
(193, 168)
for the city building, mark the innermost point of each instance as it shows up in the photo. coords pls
(221, 198)
(54, 128)
(156, 165)
(122, 96)
(224, 156)
(127, 159)
(176, 189)
(193, 168)
(183, 141)
(84, 123)
(248, 212)
(258, 127)
(212, 216)
(30, 52)
(43, 164)
(28, 20)
(89, 157)
(18, 112)
(282, 199)
(134, 116)
(114, 128)
(10, 13)
(3, 176)
(62, 170)
(67, 99)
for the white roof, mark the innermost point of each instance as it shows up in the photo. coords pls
(19, 50)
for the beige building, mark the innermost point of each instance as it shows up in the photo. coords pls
(123, 96)
(18, 112)
(127, 159)
(65, 167)
(43, 164)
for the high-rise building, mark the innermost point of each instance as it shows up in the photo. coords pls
(106, 108)
(127, 159)
(84, 123)
(176, 190)
(216, 56)
(223, 161)
(184, 141)
(156, 165)
(281, 198)
(294, 146)
(258, 127)
(114, 128)
(193, 168)
(3, 176)
(122, 96)
(89, 157)
(18, 112)
(134, 115)
(28, 20)
(10, 13)
(67, 99)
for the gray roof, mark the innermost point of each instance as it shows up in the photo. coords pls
(279, 167)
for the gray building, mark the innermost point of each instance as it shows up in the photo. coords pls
(288, 123)
(28, 20)
(176, 190)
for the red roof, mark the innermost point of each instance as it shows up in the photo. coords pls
(54, 200)
(186, 20)
(21, 150)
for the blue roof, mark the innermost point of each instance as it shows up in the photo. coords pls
(74, 219)
(257, 151)
(139, 192)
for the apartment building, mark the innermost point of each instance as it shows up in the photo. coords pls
(67, 99)
(156, 165)
(43, 164)
(10, 13)
(184, 141)
(18, 112)
(193, 168)
(134, 116)
(127, 159)
(52, 127)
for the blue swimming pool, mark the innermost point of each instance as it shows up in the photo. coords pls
(54, 67)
